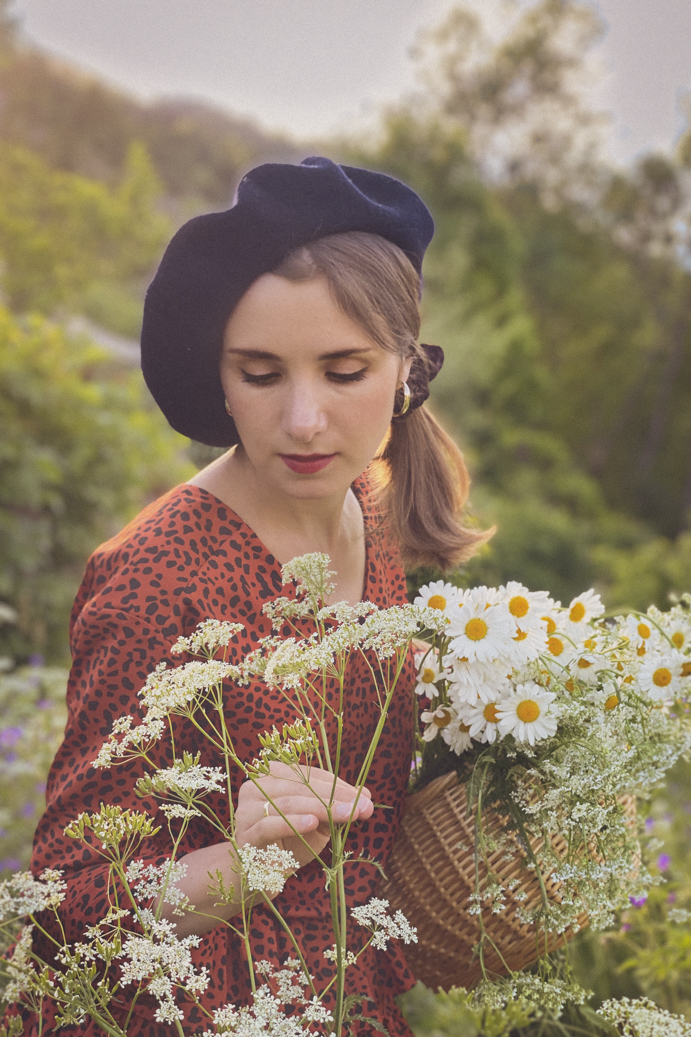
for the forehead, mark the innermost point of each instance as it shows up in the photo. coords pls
(288, 313)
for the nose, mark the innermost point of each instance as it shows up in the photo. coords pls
(304, 414)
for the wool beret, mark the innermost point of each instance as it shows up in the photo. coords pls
(213, 259)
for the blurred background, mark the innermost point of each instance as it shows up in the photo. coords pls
(551, 140)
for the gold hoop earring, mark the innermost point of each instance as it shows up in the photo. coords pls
(406, 402)
(227, 408)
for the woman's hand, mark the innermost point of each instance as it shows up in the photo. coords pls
(305, 808)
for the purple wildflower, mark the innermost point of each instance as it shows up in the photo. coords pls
(9, 736)
(638, 901)
(664, 861)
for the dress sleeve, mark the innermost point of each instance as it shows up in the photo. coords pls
(113, 651)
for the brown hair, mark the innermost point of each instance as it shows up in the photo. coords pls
(421, 474)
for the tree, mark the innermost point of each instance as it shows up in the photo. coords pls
(81, 452)
(60, 231)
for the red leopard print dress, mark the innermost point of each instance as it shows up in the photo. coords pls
(188, 557)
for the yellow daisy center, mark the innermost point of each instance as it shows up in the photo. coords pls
(686, 669)
(428, 675)
(677, 639)
(577, 613)
(569, 685)
(555, 645)
(442, 719)
(518, 606)
(551, 625)
(476, 629)
(589, 643)
(528, 711)
(437, 601)
(643, 630)
(583, 664)
(521, 635)
(662, 677)
(611, 703)
(464, 728)
(640, 651)
(490, 713)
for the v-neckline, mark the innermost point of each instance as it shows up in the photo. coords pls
(359, 495)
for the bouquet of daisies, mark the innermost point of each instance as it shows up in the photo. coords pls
(557, 718)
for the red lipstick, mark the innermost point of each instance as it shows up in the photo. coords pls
(307, 464)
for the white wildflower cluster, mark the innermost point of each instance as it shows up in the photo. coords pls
(161, 962)
(550, 995)
(266, 869)
(188, 776)
(148, 881)
(287, 663)
(208, 638)
(295, 742)
(111, 825)
(643, 1018)
(20, 968)
(312, 575)
(331, 954)
(24, 894)
(167, 691)
(384, 927)
(266, 1016)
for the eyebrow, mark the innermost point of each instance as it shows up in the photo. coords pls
(261, 354)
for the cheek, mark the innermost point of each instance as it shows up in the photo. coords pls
(367, 415)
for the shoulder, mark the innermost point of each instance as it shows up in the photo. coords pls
(162, 553)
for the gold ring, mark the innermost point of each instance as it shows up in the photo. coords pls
(266, 807)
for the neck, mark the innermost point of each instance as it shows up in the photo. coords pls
(321, 524)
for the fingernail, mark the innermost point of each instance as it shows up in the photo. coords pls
(342, 811)
(306, 822)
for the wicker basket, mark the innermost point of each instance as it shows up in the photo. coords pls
(430, 878)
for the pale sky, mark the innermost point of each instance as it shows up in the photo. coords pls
(312, 67)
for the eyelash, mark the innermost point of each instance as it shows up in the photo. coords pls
(266, 379)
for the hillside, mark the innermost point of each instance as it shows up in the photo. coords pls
(79, 124)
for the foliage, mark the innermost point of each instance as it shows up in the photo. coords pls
(81, 451)
(60, 231)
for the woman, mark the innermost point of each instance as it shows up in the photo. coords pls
(285, 328)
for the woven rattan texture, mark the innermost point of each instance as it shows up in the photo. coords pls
(431, 875)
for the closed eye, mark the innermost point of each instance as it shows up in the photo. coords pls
(353, 376)
(259, 379)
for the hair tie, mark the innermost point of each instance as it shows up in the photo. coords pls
(424, 368)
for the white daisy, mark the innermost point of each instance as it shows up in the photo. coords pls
(481, 719)
(484, 688)
(584, 608)
(457, 737)
(676, 626)
(529, 609)
(428, 674)
(528, 643)
(641, 633)
(559, 650)
(660, 676)
(481, 632)
(439, 595)
(436, 721)
(588, 666)
(528, 714)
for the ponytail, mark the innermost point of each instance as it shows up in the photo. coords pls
(423, 484)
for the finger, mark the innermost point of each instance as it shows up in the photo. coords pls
(340, 811)
(271, 828)
(272, 787)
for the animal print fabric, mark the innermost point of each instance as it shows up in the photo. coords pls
(185, 558)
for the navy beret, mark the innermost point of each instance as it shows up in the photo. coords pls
(213, 259)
